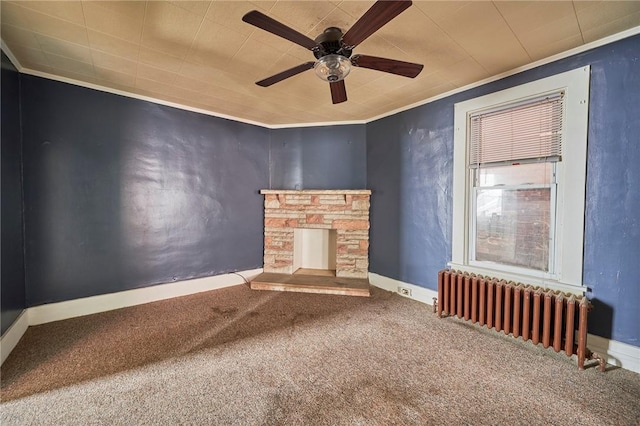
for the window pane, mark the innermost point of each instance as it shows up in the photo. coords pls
(512, 227)
(535, 173)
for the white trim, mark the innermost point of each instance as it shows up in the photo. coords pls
(571, 173)
(319, 124)
(418, 293)
(106, 302)
(11, 56)
(615, 353)
(137, 96)
(12, 336)
(588, 46)
(106, 89)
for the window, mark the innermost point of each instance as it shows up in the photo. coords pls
(519, 182)
(513, 150)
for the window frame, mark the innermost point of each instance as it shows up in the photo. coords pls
(570, 181)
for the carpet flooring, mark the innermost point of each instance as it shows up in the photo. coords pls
(236, 356)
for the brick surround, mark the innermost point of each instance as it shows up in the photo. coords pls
(346, 211)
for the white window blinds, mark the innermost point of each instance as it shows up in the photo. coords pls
(523, 132)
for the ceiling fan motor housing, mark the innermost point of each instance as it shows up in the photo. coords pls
(330, 43)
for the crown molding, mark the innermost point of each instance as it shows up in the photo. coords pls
(567, 53)
(580, 49)
(11, 56)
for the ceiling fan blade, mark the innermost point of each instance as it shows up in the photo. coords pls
(266, 23)
(338, 92)
(406, 69)
(373, 19)
(285, 74)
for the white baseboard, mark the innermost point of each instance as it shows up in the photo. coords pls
(418, 293)
(615, 353)
(12, 336)
(106, 302)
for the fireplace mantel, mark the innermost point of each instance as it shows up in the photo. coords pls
(344, 210)
(317, 191)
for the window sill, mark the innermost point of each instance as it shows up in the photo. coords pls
(545, 283)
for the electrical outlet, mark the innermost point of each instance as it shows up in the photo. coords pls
(404, 291)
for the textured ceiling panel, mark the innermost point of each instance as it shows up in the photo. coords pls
(202, 55)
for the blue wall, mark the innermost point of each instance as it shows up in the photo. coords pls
(410, 170)
(319, 157)
(12, 290)
(122, 193)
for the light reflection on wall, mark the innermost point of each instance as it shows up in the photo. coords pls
(168, 207)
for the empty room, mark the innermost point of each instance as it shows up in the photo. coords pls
(320, 212)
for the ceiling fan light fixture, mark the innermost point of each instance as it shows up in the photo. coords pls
(332, 68)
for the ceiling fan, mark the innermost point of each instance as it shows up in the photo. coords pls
(333, 48)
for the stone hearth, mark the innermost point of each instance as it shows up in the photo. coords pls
(345, 211)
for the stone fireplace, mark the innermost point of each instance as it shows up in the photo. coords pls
(345, 212)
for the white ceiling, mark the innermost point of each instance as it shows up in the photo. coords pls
(200, 54)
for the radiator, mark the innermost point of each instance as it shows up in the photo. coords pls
(552, 318)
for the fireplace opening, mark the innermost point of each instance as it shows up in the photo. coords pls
(314, 251)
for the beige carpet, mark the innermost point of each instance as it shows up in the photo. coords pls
(236, 356)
